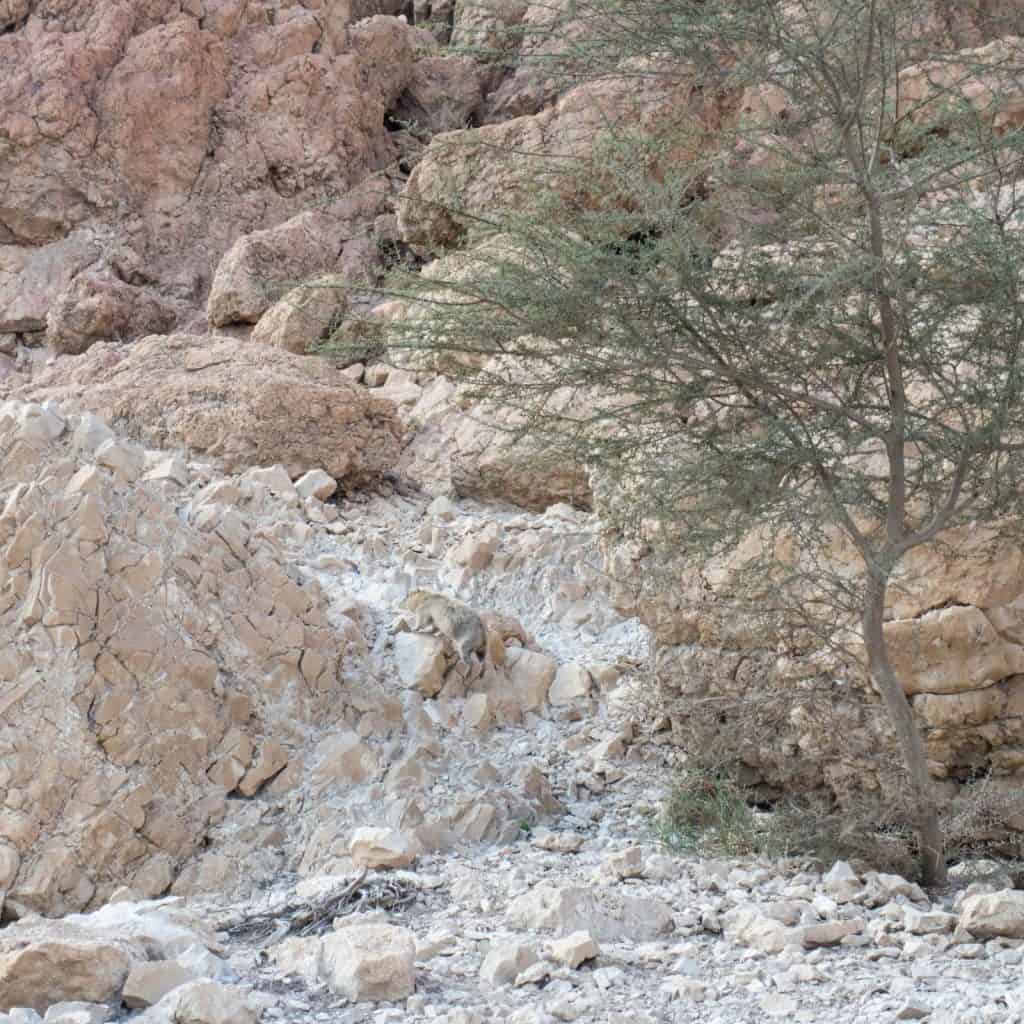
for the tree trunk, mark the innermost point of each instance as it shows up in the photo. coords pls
(929, 831)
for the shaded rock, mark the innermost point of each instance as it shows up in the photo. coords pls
(303, 318)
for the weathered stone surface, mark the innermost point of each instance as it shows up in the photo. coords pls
(42, 973)
(574, 949)
(421, 661)
(245, 406)
(143, 139)
(149, 982)
(506, 961)
(303, 317)
(382, 848)
(370, 962)
(205, 1002)
(482, 167)
(166, 704)
(988, 916)
(530, 676)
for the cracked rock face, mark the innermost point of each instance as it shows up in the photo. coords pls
(141, 138)
(162, 655)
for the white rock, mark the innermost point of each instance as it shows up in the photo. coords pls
(627, 863)
(370, 962)
(442, 508)
(90, 433)
(841, 882)
(173, 470)
(316, 484)
(77, 1013)
(574, 949)
(39, 424)
(421, 662)
(205, 1002)
(505, 961)
(919, 922)
(987, 916)
(382, 848)
(148, 982)
(275, 478)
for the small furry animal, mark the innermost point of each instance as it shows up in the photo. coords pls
(452, 619)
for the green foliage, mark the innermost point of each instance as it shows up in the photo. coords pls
(708, 814)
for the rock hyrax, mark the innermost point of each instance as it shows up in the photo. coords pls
(452, 619)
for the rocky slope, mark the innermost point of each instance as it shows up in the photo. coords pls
(212, 718)
(484, 849)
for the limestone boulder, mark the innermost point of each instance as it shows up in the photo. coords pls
(205, 1002)
(421, 662)
(382, 848)
(242, 405)
(43, 973)
(370, 962)
(303, 317)
(484, 168)
(994, 915)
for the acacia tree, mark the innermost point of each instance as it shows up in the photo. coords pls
(812, 326)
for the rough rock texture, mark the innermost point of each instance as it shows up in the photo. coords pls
(370, 962)
(480, 171)
(159, 655)
(955, 633)
(142, 138)
(243, 405)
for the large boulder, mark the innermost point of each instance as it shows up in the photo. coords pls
(245, 405)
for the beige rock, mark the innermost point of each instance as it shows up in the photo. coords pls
(530, 676)
(316, 484)
(991, 915)
(272, 758)
(572, 682)
(43, 973)
(149, 982)
(477, 713)
(421, 662)
(77, 1013)
(750, 926)
(950, 650)
(627, 863)
(125, 461)
(574, 949)
(242, 405)
(304, 317)
(829, 933)
(344, 758)
(382, 848)
(476, 552)
(370, 962)
(481, 165)
(206, 1002)
(237, 653)
(506, 961)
